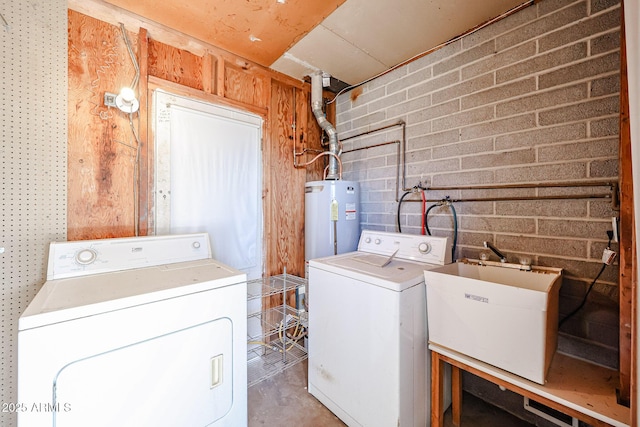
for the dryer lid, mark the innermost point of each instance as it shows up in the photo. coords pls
(67, 299)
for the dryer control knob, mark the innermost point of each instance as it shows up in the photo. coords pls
(196, 245)
(424, 248)
(367, 240)
(378, 241)
(86, 256)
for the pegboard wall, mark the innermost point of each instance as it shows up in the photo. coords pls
(33, 135)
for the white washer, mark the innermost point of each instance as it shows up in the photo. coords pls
(144, 331)
(368, 357)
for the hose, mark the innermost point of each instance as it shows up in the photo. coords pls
(399, 205)
(584, 300)
(426, 217)
(298, 333)
(445, 202)
(425, 221)
(455, 231)
(424, 205)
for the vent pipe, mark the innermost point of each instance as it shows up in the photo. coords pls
(316, 107)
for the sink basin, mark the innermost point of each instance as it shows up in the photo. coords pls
(502, 316)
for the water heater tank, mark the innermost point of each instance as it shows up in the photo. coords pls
(332, 218)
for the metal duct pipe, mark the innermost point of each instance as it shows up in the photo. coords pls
(316, 107)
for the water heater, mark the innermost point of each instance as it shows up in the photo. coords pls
(332, 218)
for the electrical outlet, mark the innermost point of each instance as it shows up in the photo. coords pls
(110, 99)
(608, 256)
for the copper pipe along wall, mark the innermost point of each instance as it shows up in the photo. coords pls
(401, 149)
(400, 164)
(607, 183)
(518, 198)
(324, 153)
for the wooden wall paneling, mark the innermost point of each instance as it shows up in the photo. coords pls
(145, 170)
(633, 394)
(245, 86)
(303, 136)
(207, 73)
(101, 147)
(235, 82)
(114, 15)
(627, 231)
(175, 65)
(634, 338)
(270, 216)
(178, 89)
(266, 182)
(300, 119)
(220, 76)
(308, 135)
(267, 199)
(286, 191)
(157, 32)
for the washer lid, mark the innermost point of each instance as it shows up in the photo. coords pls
(67, 299)
(396, 275)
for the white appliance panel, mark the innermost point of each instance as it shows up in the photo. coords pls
(66, 299)
(397, 275)
(321, 238)
(150, 341)
(83, 257)
(368, 357)
(424, 249)
(133, 381)
(43, 352)
(370, 393)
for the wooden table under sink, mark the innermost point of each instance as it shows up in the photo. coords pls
(574, 387)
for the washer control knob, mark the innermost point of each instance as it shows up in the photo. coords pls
(86, 256)
(196, 245)
(378, 241)
(367, 240)
(424, 248)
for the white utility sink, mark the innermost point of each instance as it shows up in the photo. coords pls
(502, 316)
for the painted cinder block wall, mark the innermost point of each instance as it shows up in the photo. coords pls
(531, 98)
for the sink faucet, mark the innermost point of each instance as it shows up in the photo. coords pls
(495, 251)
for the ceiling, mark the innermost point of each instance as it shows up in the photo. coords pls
(352, 40)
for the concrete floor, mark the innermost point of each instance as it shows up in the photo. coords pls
(283, 400)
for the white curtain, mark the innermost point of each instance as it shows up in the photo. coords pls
(215, 182)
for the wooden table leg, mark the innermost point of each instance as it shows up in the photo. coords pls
(437, 390)
(456, 395)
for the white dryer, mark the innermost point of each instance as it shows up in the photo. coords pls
(368, 357)
(144, 331)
